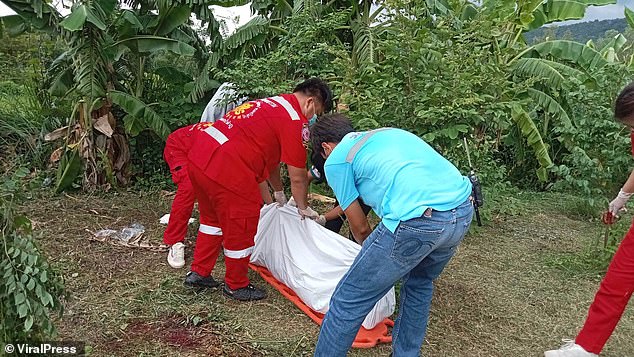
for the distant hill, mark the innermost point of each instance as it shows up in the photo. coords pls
(582, 32)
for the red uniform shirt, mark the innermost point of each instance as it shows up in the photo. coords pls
(177, 146)
(239, 150)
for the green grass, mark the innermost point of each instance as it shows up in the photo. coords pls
(23, 123)
(515, 288)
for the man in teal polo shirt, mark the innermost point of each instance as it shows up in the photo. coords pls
(425, 209)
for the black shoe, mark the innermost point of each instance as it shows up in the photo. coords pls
(193, 280)
(248, 293)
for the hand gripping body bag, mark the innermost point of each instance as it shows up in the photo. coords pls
(309, 259)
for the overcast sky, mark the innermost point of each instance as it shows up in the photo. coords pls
(239, 15)
(606, 12)
(234, 16)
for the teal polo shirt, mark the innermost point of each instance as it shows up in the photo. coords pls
(396, 173)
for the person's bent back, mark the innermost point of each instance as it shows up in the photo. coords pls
(399, 175)
(425, 210)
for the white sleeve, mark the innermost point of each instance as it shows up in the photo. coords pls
(223, 101)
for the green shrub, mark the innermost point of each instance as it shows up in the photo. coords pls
(30, 288)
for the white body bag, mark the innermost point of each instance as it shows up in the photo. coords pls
(309, 259)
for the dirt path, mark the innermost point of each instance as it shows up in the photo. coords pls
(500, 296)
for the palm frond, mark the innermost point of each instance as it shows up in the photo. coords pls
(203, 83)
(550, 105)
(561, 10)
(610, 49)
(256, 26)
(88, 62)
(533, 138)
(136, 108)
(552, 73)
(584, 56)
(170, 19)
(629, 16)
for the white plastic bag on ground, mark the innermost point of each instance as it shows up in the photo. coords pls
(309, 259)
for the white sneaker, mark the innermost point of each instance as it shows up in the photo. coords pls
(176, 256)
(569, 349)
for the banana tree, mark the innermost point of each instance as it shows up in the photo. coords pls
(261, 34)
(539, 77)
(552, 66)
(110, 48)
(106, 67)
(29, 15)
(627, 51)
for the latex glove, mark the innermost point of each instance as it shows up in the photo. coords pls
(280, 198)
(291, 202)
(307, 213)
(321, 220)
(618, 203)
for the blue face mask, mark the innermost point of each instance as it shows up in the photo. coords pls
(312, 120)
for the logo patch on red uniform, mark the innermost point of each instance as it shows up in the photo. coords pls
(244, 111)
(306, 135)
(202, 126)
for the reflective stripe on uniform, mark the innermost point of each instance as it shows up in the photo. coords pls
(270, 102)
(238, 254)
(357, 146)
(217, 135)
(211, 230)
(289, 108)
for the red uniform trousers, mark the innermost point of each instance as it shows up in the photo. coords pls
(183, 203)
(182, 208)
(226, 219)
(611, 299)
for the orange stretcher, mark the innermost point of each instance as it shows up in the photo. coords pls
(365, 338)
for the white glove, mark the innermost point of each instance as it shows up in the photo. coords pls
(321, 220)
(280, 198)
(618, 203)
(307, 213)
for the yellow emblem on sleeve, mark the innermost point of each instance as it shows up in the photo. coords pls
(243, 108)
(202, 126)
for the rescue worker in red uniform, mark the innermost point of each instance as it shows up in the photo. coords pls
(233, 157)
(175, 155)
(177, 146)
(617, 285)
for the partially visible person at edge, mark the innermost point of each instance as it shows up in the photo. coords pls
(177, 146)
(175, 154)
(425, 209)
(618, 284)
(333, 219)
(224, 100)
(232, 158)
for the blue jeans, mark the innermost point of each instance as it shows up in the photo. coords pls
(417, 253)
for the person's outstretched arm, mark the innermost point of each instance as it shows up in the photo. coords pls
(618, 203)
(358, 222)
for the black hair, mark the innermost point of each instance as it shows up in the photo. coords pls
(329, 128)
(624, 106)
(315, 87)
(318, 163)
